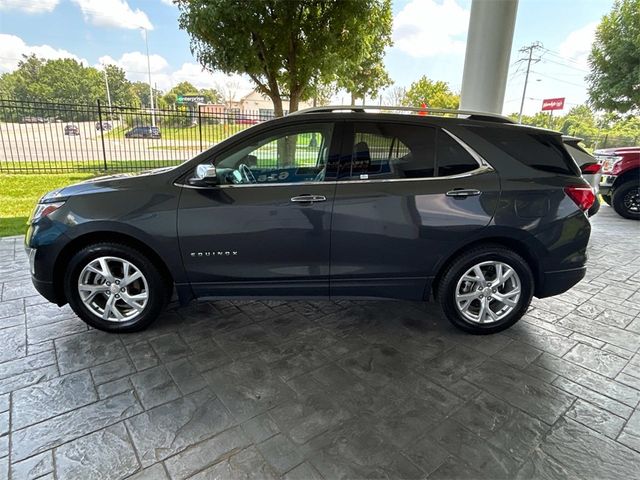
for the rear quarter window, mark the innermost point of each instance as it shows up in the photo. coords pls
(541, 151)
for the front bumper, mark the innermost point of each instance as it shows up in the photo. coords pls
(606, 184)
(557, 282)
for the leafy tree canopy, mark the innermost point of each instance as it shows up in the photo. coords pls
(614, 81)
(435, 94)
(285, 45)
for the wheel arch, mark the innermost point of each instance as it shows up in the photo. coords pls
(94, 237)
(631, 174)
(519, 246)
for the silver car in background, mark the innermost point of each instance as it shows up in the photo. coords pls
(589, 167)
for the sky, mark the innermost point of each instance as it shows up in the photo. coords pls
(429, 39)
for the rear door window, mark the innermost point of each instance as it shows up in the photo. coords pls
(381, 151)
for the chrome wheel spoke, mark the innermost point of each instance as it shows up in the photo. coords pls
(487, 292)
(466, 296)
(113, 289)
(132, 301)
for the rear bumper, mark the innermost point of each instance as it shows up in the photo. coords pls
(606, 184)
(557, 282)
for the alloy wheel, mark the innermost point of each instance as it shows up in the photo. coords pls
(113, 289)
(631, 200)
(487, 292)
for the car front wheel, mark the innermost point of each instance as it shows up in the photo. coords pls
(115, 288)
(486, 290)
(626, 200)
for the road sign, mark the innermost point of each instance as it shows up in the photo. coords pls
(190, 99)
(552, 104)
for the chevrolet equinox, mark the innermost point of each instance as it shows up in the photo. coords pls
(467, 208)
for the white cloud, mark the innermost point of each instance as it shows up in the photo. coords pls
(29, 6)
(12, 48)
(425, 28)
(113, 13)
(135, 64)
(578, 43)
(168, 2)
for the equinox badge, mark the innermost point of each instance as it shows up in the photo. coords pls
(215, 253)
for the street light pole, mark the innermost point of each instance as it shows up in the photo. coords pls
(146, 42)
(106, 83)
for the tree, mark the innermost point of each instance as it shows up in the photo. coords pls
(366, 79)
(183, 88)
(435, 94)
(141, 91)
(282, 45)
(60, 81)
(580, 121)
(119, 87)
(396, 96)
(614, 61)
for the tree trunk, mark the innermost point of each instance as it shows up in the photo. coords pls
(277, 106)
(353, 99)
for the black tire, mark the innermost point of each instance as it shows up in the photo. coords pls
(626, 200)
(595, 208)
(446, 289)
(158, 287)
(606, 199)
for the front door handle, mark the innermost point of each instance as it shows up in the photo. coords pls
(309, 198)
(463, 192)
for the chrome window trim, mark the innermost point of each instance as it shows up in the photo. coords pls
(481, 161)
(483, 167)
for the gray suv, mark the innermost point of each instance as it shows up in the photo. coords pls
(466, 208)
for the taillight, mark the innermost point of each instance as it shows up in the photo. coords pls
(581, 195)
(590, 168)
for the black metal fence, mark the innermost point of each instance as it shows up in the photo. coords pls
(38, 137)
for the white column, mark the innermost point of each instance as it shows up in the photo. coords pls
(486, 62)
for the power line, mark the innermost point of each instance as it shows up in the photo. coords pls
(528, 51)
(558, 79)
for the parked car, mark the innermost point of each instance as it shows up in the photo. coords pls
(104, 126)
(71, 129)
(472, 210)
(589, 167)
(143, 132)
(35, 120)
(245, 120)
(620, 181)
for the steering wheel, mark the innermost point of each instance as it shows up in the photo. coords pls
(246, 173)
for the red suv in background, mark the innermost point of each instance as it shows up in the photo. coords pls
(620, 180)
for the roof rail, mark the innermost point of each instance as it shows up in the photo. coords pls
(471, 114)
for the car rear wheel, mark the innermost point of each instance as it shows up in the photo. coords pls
(115, 288)
(626, 200)
(486, 290)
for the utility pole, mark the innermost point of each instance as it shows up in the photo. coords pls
(146, 42)
(530, 49)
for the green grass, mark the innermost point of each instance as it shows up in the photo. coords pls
(95, 167)
(19, 194)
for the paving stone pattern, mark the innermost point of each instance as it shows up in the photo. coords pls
(326, 390)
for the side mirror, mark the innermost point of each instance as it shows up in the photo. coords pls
(205, 175)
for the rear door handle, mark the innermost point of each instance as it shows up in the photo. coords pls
(309, 198)
(463, 192)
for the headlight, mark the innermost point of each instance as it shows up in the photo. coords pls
(44, 210)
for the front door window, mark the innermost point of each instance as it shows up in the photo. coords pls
(293, 155)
